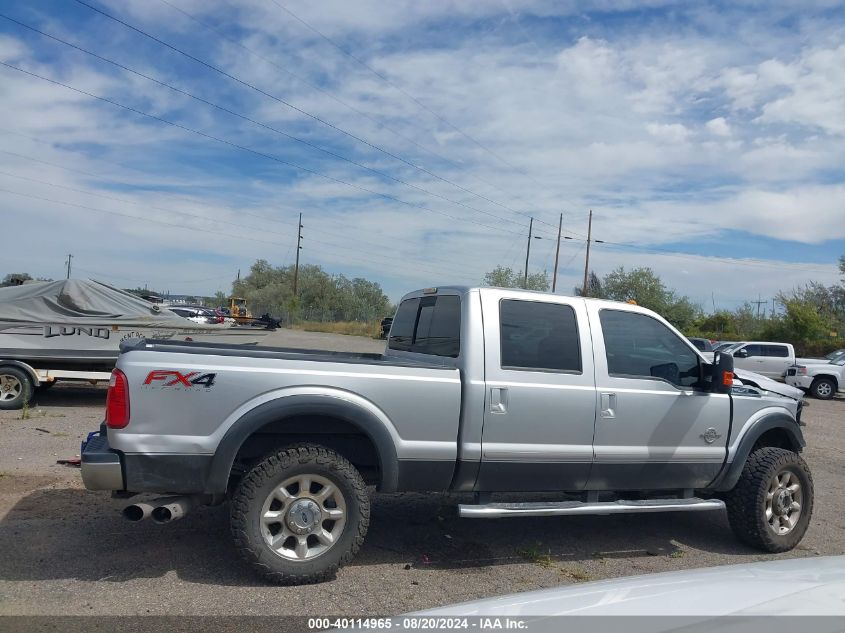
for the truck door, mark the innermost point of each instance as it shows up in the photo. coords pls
(777, 359)
(540, 402)
(657, 427)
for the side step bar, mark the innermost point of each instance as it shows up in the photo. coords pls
(558, 508)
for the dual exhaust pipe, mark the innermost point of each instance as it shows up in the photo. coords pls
(162, 510)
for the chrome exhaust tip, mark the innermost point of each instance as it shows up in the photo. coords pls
(137, 512)
(172, 509)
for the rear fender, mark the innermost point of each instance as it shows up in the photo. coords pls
(275, 406)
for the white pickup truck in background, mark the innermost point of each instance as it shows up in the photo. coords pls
(763, 357)
(820, 379)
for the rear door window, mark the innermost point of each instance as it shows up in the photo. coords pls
(428, 325)
(539, 336)
(778, 351)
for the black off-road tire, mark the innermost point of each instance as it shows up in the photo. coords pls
(269, 473)
(823, 388)
(20, 393)
(746, 503)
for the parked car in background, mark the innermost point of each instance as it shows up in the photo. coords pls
(197, 314)
(820, 380)
(701, 344)
(386, 322)
(721, 346)
(763, 357)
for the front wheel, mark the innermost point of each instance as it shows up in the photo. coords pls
(300, 514)
(771, 504)
(823, 388)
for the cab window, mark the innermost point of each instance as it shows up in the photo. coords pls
(639, 346)
(428, 325)
(539, 336)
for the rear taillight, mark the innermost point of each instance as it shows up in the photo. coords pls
(117, 401)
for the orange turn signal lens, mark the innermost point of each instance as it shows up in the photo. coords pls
(728, 378)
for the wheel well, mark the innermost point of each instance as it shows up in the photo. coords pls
(338, 434)
(829, 377)
(777, 438)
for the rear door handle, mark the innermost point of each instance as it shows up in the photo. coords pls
(608, 405)
(498, 400)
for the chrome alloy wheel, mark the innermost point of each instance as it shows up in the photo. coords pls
(10, 387)
(783, 502)
(303, 517)
(824, 390)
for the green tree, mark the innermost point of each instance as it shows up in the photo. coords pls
(648, 290)
(502, 277)
(594, 285)
(16, 279)
(320, 295)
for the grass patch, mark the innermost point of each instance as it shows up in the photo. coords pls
(371, 329)
(26, 413)
(533, 554)
(576, 573)
(678, 553)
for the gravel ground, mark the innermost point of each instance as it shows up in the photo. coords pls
(66, 551)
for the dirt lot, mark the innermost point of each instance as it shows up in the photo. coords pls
(67, 551)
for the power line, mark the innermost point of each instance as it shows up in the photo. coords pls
(281, 101)
(408, 95)
(393, 262)
(358, 111)
(256, 122)
(252, 151)
(261, 216)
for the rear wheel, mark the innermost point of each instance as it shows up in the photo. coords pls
(771, 505)
(15, 388)
(300, 514)
(823, 388)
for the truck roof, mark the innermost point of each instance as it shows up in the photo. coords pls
(463, 289)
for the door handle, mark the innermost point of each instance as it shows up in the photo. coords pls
(498, 400)
(608, 405)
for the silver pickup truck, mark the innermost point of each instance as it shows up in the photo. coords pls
(604, 406)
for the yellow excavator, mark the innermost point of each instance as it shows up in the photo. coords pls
(239, 310)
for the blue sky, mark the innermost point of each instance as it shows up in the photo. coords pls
(706, 137)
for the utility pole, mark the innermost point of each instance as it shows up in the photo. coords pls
(527, 253)
(557, 252)
(239, 274)
(68, 263)
(759, 302)
(298, 248)
(585, 292)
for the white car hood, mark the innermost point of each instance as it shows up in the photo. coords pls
(801, 586)
(768, 384)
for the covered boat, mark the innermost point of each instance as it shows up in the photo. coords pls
(81, 323)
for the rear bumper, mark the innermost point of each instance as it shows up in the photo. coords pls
(800, 381)
(101, 466)
(104, 468)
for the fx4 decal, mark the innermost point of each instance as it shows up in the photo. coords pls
(167, 378)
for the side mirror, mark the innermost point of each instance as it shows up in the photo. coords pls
(743, 353)
(722, 373)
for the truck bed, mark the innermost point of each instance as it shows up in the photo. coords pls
(268, 352)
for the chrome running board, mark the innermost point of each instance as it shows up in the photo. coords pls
(558, 508)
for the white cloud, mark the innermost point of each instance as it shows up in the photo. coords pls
(622, 122)
(719, 127)
(668, 132)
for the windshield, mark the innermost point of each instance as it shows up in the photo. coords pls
(836, 355)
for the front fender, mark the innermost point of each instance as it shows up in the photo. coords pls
(730, 475)
(343, 406)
